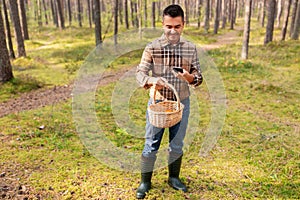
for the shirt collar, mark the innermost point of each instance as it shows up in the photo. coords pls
(164, 41)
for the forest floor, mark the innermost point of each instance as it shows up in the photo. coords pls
(49, 96)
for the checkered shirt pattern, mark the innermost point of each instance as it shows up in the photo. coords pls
(158, 60)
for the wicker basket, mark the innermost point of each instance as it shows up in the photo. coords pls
(166, 113)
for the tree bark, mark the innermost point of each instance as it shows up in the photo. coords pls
(295, 35)
(279, 13)
(270, 23)
(286, 18)
(116, 22)
(5, 66)
(233, 11)
(8, 32)
(217, 17)
(224, 14)
(79, 13)
(69, 12)
(54, 13)
(89, 13)
(98, 29)
(263, 13)
(126, 14)
(45, 12)
(17, 27)
(187, 12)
(60, 15)
(120, 10)
(145, 14)
(246, 36)
(24, 20)
(199, 13)
(153, 14)
(294, 12)
(206, 21)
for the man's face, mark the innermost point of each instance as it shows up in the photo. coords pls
(173, 28)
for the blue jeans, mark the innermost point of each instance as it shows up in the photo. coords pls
(177, 133)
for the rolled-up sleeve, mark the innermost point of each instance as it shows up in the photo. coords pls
(145, 66)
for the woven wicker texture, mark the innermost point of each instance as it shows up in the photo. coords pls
(166, 113)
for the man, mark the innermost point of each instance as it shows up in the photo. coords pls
(161, 57)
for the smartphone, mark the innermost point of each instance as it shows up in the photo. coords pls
(178, 69)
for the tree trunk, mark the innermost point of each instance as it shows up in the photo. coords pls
(232, 18)
(270, 23)
(8, 33)
(24, 20)
(54, 14)
(39, 13)
(98, 29)
(294, 12)
(279, 13)
(286, 18)
(224, 14)
(246, 37)
(17, 27)
(199, 13)
(153, 14)
(295, 35)
(116, 22)
(187, 12)
(45, 12)
(60, 15)
(145, 14)
(206, 21)
(79, 13)
(263, 13)
(5, 66)
(126, 14)
(89, 13)
(69, 12)
(120, 10)
(132, 13)
(217, 17)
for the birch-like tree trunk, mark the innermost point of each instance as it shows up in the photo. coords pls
(295, 34)
(116, 6)
(98, 29)
(286, 18)
(199, 13)
(270, 23)
(247, 23)
(206, 21)
(153, 14)
(263, 13)
(294, 12)
(126, 14)
(217, 16)
(279, 13)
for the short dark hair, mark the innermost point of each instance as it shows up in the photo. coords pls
(174, 11)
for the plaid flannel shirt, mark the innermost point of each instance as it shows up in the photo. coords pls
(160, 57)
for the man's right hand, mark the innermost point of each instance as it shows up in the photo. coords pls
(158, 82)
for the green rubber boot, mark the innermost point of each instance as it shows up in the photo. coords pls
(147, 165)
(174, 170)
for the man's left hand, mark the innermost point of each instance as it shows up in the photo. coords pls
(185, 76)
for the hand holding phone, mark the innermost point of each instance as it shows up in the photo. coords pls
(178, 69)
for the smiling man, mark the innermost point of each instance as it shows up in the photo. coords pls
(161, 57)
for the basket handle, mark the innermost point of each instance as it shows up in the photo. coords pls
(175, 92)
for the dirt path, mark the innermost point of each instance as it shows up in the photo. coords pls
(43, 97)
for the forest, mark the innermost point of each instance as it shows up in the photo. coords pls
(47, 47)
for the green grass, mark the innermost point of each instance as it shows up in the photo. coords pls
(256, 157)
